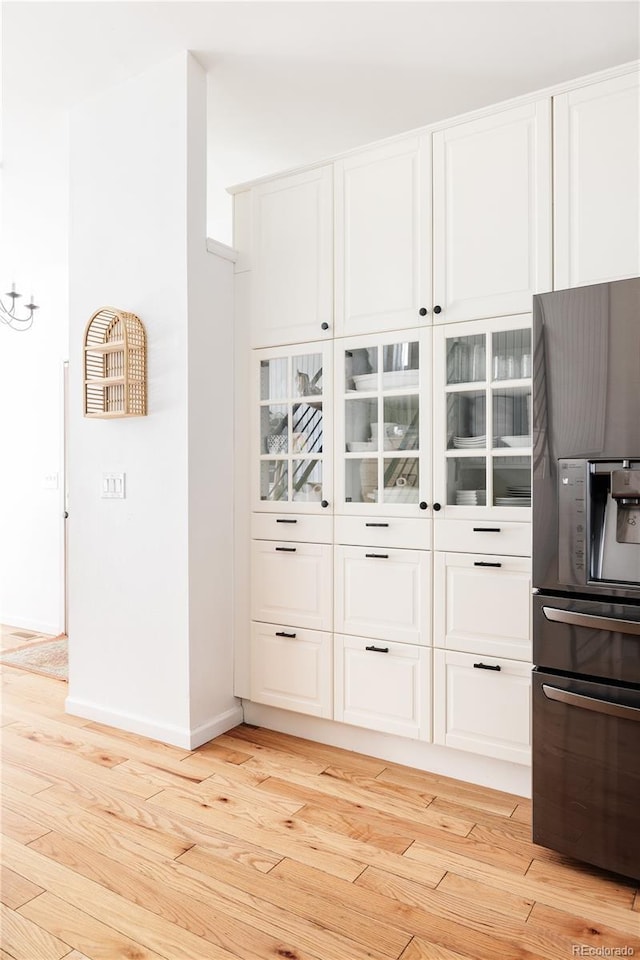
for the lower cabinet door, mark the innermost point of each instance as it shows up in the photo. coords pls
(383, 593)
(292, 668)
(483, 705)
(292, 583)
(383, 686)
(482, 604)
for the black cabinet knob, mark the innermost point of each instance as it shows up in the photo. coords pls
(423, 505)
(324, 503)
(423, 311)
(325, 325)
(437, 507)
(437, 309)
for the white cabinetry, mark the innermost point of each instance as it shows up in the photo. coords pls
(492, 213)
(293, 429)
(292, 277)
(483, 604)
(482, 705)
(383, 424)
(482, 412)
(291, 583)
(292, 669)
(597, 182)
(383, 593)
(383, 228)
(383, 686)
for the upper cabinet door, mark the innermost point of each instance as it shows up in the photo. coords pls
(492, 214)
(292, 283)
(383, 226)
(597, 183)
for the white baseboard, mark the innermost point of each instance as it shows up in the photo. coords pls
(165, 733)
(498, 774)
(27, 623)
(216, 726)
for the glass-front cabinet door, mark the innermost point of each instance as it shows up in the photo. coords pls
(293, 429)
(383, 417)
(482, 431)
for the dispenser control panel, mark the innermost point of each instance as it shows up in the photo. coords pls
(572, 521)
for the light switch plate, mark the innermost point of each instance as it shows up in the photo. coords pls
(113, 486)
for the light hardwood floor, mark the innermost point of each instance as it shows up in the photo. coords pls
(260, 845)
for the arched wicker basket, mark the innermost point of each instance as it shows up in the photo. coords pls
(115, 365)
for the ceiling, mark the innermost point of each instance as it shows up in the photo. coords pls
(290, 83)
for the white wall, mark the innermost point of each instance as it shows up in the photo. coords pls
(142, 631)
(33, 253)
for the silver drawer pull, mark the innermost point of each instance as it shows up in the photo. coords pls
(619, 710)
(577, 619)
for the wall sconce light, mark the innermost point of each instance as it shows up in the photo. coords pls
(8, 314)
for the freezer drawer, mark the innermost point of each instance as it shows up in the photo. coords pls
(586, 770)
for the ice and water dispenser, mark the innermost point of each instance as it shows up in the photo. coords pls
(599, 522)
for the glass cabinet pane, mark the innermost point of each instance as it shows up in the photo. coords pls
(467, 481)
(512, 355)
(359, 416)
(361, 480)
(273, 429)
(361, 369)
(466, 419)
(306, 428)
(273, 379)
(400, 366)
(512, 481)
(401, 480)
(466, 359)
(512, 417)
(274, 480)
(401, 423)
(307, 375)
(306, 480)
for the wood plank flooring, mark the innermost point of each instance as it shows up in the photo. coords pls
(260, 845)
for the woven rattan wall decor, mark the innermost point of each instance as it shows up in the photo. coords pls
(115, 365)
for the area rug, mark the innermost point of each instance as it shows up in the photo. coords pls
(48, 658)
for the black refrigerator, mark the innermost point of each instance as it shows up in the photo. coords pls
(586, 574)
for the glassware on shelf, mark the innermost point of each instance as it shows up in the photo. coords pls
(511, 354)
(466, 359)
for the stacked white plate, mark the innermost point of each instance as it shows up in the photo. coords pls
(519, 495)
(468, 443)
(471, 498)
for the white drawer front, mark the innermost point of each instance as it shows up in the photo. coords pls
(292, 669)
(302, 528)
(482, 604)
(483, 536)
(292, 584)
(386, 691)
(383, 593)
(481, 710)
(384, 532)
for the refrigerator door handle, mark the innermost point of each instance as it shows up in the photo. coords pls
(618, 710)
(576, 619)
